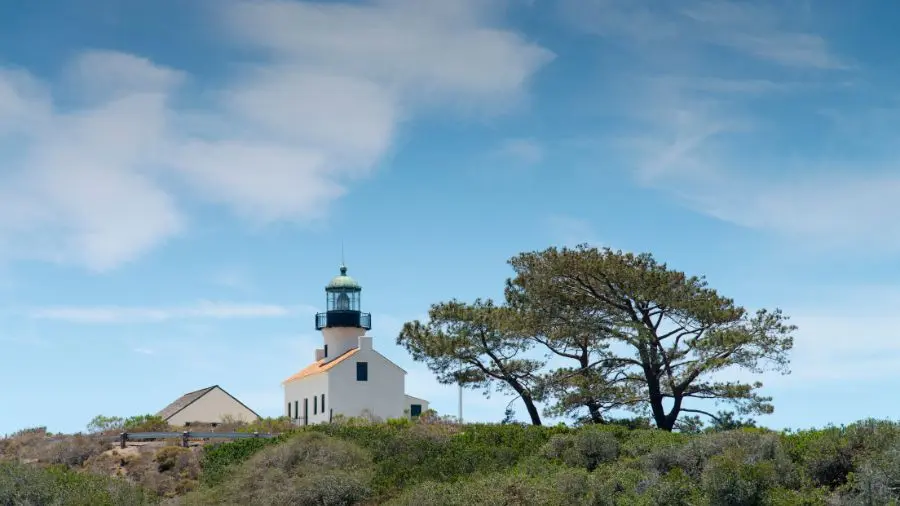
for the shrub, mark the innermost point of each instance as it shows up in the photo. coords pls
(16, 445)
(268, 426)
(557, 486)
(24, 484)
(877, 478)
(145, 423)
(615, 485)
(409, 453)
(101, 424)
(674, 489)
(780, 496)
(72, 451)
(586, 448)
(753, 444)
(642, 442)
(730, 480)
(824, 456)
(309, 468)
(220, 458)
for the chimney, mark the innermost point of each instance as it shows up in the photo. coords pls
(320, 354)
(365, 343)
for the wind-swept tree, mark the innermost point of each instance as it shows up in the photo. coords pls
(663, 336)
(477, 346)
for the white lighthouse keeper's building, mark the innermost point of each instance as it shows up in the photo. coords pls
(348, 377)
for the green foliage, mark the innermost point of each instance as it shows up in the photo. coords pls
(431, 461)
(675, 488)
(556, 486)
(220, 458)
(268, 426)
(28, 485)
(751, 445)
(642, 442)
(145, 423)
(877, 477)
(678, 333)
(732, 480)
(308, 468)
(475, 345)
(102, 424)
(587, 448)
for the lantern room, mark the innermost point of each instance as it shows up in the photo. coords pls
(342, 303)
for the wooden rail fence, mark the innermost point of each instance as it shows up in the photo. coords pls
(188, 435)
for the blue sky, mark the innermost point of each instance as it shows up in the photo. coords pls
(176, 179)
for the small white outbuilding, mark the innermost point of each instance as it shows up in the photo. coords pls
(348, 377)
(207, 405)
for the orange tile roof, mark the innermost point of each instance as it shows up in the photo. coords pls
(320, 366)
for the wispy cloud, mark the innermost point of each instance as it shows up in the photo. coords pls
(711, 134)
(92, 184)
(760, 30)
(208, 310)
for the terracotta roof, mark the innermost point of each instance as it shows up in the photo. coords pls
(183, 402)
(321, 366)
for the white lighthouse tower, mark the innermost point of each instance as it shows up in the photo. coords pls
(348, 377)
(343, 323)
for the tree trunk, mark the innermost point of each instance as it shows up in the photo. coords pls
(532, 409)
(656, 402)
(594, 409)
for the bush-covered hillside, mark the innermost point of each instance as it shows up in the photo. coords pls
(433, 462)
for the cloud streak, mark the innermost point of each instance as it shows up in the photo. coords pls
(202, 310)
(711, 131)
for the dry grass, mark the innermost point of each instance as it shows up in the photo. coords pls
(165, 470)
(37, 446)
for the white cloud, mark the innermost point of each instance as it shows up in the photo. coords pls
(206, 309)
(81, 192)
(103, 75)
(281, 139)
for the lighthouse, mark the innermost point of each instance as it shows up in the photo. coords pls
(348, 377)
(343, 322)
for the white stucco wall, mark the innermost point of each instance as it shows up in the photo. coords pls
(211, 408)
(308, 388)
(341, 339)
(382, 395)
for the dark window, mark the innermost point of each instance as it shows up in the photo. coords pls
(323, 403)
(289, 410)
(296, 409)
(305, 411)
(316, 405)
(415, 409)
(362, 371)
(326, 350)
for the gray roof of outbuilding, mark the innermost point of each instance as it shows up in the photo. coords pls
(183, 402)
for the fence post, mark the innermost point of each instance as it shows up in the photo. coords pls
(184, 438)
(123, 438)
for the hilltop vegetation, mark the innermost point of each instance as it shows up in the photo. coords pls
(434, 462)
